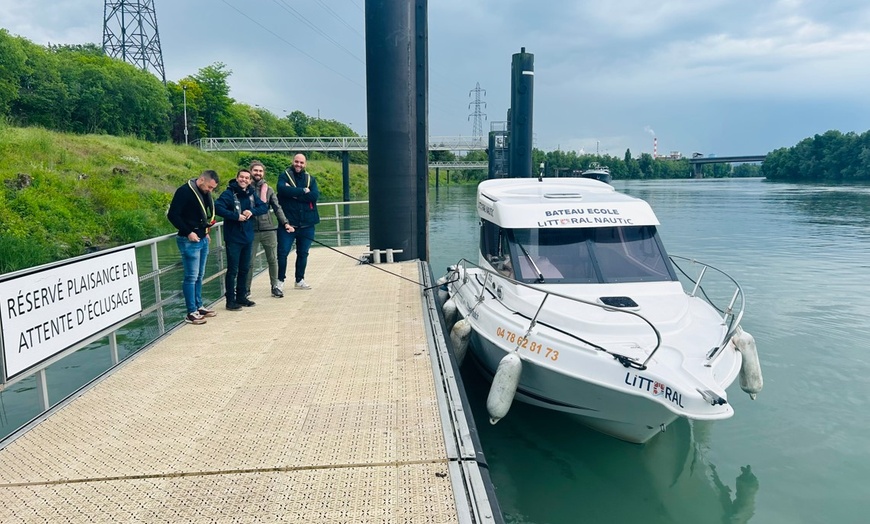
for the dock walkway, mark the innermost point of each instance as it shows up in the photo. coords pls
(318, 407)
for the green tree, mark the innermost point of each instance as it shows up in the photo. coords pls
(645, 165)
(42, 94)
(106, 95)
(300, 122)
(13, 59)
(215, 103)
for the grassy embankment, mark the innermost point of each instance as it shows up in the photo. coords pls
(64, 194)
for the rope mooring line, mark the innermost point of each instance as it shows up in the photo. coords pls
(360, 261)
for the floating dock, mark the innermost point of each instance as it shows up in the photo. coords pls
(336, 404)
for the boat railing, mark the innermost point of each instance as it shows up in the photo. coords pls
(715, 294)
(623, 359)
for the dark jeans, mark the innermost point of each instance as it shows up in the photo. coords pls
(303, 236)
(193, 258)
(238, 265)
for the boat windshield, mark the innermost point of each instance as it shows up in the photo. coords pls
(590, 255)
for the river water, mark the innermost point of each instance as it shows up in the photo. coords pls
(800, 453)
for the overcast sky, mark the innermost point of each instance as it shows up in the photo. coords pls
(720, 77)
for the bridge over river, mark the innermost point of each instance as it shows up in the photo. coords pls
(436, 143)
(343, 144)
(697, 162)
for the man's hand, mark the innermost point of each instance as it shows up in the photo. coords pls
(193, 237)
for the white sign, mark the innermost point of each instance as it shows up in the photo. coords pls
(46, 312)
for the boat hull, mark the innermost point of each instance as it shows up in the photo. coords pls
(632, 403)
(626, 417)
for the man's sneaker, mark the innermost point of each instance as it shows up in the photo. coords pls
(302, 285)
(232, 306)
(194, 318)
(207, 313)
(280, 286)
(277, 293)
(247, 303)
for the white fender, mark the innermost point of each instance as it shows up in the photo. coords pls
(449, 309)
(504, 386)
(442, 295)
(459, 336)
(441, 281)
(751, 380)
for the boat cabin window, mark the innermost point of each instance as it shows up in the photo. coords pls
(577, 255)
(630, 254)
(495, 246)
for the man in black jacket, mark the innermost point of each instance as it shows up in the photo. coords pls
(298, 194)
(192, 213)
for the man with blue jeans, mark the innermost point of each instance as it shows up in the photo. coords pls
(297, 194)
(192, 213)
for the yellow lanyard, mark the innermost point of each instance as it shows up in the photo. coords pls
(290, 176)
(210, 220)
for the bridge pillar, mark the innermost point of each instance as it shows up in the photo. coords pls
(345, 175)
(437, 178)
(696, 171)
(345, 186)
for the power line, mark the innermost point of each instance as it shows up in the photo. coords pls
(339, 18)
(279, 37)
(286, 7)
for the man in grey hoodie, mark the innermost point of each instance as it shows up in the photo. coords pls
(265, 228)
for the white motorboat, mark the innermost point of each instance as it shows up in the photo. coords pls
(575, 305)
(597, 172)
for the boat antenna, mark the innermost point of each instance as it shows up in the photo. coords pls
(541, 173)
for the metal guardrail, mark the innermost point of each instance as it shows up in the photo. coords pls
(731, 314)
(461, 273)
(354, 143)
(460, 164)
(160, 280)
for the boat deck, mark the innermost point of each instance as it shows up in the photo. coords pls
(318, 407)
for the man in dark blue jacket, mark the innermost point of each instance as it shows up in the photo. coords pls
(297, 194)
(237, 205)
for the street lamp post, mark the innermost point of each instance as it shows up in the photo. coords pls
(184, 95)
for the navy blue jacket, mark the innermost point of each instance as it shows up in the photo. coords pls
(299, 207)
(232, 202)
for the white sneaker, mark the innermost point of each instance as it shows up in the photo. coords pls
(302, 285)
(280, 285)
(194, 318)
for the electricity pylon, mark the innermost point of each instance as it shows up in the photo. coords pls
(477, 129)
(130, 33)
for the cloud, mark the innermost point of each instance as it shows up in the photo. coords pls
(731, 76)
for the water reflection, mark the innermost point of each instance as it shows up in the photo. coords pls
(824, 205)
(596, 478)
